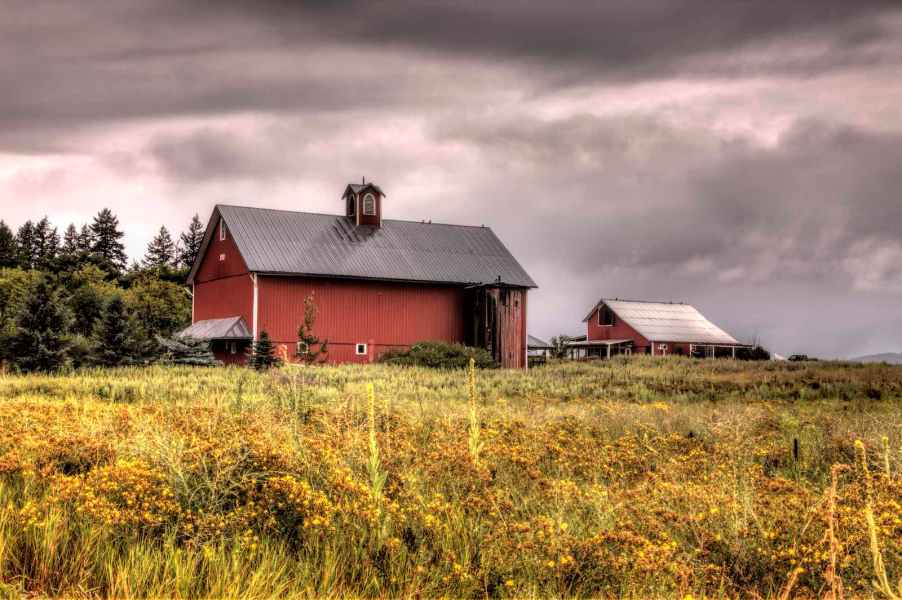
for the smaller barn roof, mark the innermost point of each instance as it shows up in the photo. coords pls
(534, 342)
(230, 328)
(667, 322)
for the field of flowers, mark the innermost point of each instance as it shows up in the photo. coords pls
(634, 478)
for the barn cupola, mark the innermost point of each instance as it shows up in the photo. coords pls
(363, 203)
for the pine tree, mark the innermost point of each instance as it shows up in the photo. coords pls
(85, 239)
(46, 244)
(25, 247)
(105, 242)
(40, 340)
(310, 348)
(187, 351)
(113, 343)
(263, 354)
(190, 242)
(160, 253)
(70, 242)
(8, 250)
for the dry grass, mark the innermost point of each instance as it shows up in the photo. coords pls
(641, 478)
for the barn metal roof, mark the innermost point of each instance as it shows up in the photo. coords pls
(298, 243)
(667, 322)
(534, 342)
(230, 328)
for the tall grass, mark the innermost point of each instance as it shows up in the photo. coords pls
(642, 478)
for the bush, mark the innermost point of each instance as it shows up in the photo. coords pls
(439, 355)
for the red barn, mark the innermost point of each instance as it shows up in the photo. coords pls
(626, 326)
(377, 283)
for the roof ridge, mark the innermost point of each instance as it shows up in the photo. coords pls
(306, 212)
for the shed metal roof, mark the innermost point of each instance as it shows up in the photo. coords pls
(534, 342)
(667, 322)
(230, 328)
(298, 243)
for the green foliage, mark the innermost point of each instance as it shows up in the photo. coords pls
(40, 341)
(160, 251)
(114, 341)
(440, 355)
(559, 346)
(310, 348)
(15, 286)
(187, 351)
(8, 252)
(89, 293)
(756, 352)
(190, 242)
(25, 246)
(263, 354)
(159, 307)
(106, 244)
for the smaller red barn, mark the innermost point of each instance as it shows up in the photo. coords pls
(617, 326)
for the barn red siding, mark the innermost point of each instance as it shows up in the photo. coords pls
(222, 259)
(382, 315)
(221, 298)
(620, 330)
(223, 288)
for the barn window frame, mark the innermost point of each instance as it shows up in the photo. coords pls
(603, 312)
(223, 231)
(369, 204)
(361, 349)
(233, 347)
(301, 348)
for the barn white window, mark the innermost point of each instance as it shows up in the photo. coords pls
(222, 230)
(302, 348)
(361, 349)
(605, 317)
(369, 205)
(233, 347)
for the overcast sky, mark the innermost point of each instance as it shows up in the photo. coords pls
(742, 156)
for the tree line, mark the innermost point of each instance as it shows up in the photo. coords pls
(74, 300)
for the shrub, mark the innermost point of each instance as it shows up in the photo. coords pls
(439, 355)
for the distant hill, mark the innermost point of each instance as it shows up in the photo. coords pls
(893, 358)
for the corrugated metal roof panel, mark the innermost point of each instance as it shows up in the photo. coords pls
(229, 328)
(279, 241)
(666, 322)
(534, 342)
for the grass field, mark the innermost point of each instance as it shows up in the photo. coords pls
(638, 478)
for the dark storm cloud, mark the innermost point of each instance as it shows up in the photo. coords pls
(645, 195)
(66, 68)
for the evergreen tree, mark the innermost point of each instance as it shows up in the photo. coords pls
(70, 242)
(46, 244)
(189, 243)
(8, 251)
(113, 342)
(25, 246)
(310, 348)
(263, 353)
(187, 351)
(85, 240)
(39, 343)
(160, 253)
(106, 244)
